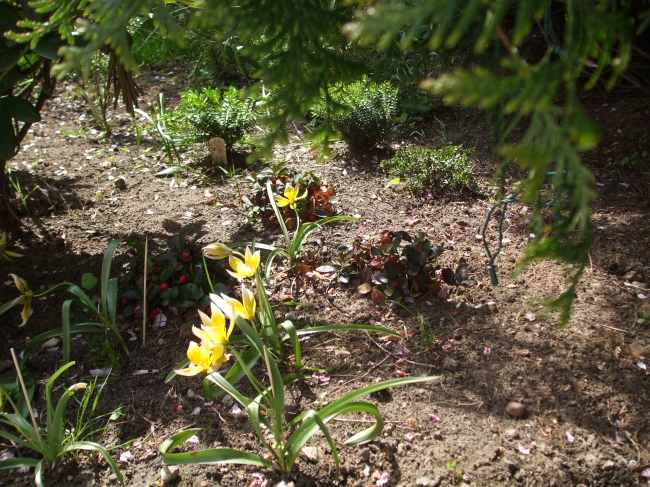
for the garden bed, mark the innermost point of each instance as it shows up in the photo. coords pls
(584, 387)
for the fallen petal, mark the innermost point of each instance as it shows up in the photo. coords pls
(126, 456)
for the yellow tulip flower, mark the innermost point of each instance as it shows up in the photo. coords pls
(6, 254)
(217, 251)
(204, 359)
(25, 299)
(247, 267)
(246, 309)
(213, 332)
(290, 196)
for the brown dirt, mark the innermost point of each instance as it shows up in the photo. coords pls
(583, 381)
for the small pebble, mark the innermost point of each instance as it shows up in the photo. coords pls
(120, 183)
(516, 409)
(168, 474)
(428, 482)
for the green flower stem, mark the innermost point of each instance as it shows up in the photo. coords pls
(207, 273)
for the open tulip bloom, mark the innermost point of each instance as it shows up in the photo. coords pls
(290, 197)
(246, 268)
(246, 308)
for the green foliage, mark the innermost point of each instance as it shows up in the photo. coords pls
(176, 277)
(447, 168)
(365, 113)
(83, 313)
(397, 265)
(212, 112)
(158, 120)
(317, 204)
(296, 48)
(282, 439)
(52, 444)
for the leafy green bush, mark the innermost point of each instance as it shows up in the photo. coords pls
(445, 169)
(367, 110)
(211, 112)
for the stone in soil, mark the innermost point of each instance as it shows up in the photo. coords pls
(168, 474)
(449, 363)
(428, 482)
(311, 453)
(516, 409)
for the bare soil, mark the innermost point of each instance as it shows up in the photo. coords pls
(585, 387)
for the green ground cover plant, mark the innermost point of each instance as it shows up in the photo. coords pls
(364, 111)
(433, 170)
(212, 112)
(319, 202)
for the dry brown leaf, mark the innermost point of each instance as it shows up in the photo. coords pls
(377, 296)
(303, 269)
(365, 288)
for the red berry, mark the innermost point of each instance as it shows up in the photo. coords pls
(397, 285)
(164, 285)
(125, 301)
(312, 217)
(157, 310)
(152, 316)
(231, 287)
(265, 199)
(182, 279)
(185, 256)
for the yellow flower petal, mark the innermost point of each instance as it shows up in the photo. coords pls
(26, 312)
(281, 202)
(217, 251)
(245, 269)
(21, 284)
(194, 353)
(190, 371)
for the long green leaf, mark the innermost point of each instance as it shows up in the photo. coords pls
(38, 473)
(293, 336)
(48, 393)
(65, 329)
(229, 388)
(349, 327)
(251, 334)
(303, 232)
(31, 441)
(209, 456)
(369, 433)
(106, 271)
(91, 446)
(269, 262)
(14, 302)
(111, 301)
(321, 425)
(277, 391)
(306, 430)
(18, 463)
(253, 410)
(37, 342)
(269, 191)
(55, 432)
(85, 300)
(236, 372)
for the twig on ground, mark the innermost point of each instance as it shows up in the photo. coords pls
(357, 378)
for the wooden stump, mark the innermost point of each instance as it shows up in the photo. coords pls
(218, 152)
